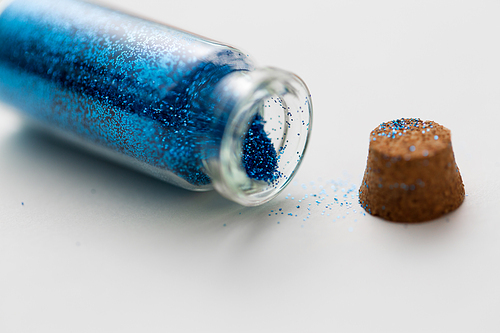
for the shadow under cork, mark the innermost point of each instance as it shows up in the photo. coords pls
(447, 217)
(437, 232)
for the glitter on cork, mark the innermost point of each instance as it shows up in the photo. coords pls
(411, 174)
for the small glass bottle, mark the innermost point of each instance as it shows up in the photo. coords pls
(182, 108)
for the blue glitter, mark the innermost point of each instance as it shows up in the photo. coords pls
(114, 80)
(138, 88)
(258, 155)
(399, 127)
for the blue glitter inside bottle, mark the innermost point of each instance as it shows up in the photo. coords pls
(185, 109)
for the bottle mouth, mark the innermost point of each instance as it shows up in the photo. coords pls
(269, 113)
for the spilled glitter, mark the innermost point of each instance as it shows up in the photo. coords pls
(334, 200)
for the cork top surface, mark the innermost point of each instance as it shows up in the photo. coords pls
(410, 138)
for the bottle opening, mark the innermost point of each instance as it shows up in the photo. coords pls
(265, 136)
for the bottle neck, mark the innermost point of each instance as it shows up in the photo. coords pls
(262, 125)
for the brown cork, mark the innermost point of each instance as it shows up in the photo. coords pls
(411, 174)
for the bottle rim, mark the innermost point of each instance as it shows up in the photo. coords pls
(284, 103)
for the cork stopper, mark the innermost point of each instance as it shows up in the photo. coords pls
(411, 174)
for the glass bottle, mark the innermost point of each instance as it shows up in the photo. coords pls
(180, 107)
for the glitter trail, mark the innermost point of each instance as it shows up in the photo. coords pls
(334, 200)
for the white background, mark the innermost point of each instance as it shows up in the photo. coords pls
(99, 248)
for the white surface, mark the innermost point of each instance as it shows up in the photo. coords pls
(142, 256)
